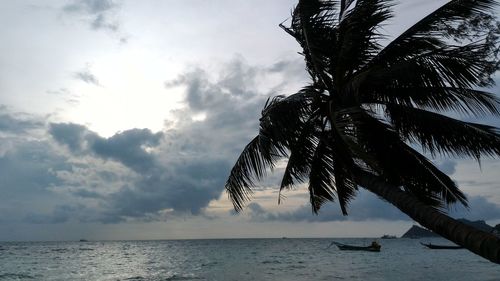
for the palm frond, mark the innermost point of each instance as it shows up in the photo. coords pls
(301, 154)
(343, 158)
(321, 177)
(462, 100)
(358, 37)
(344, 5)
(282, 118)
(444, 135)
(404, 166)
(434, 181)
(331, 172)
(344, 183)
(251, 165)
(464, 20)
(450, 68)
(312, 26)
(281, 124)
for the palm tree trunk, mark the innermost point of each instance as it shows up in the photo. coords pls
(479, 242)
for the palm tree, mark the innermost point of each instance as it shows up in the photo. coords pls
(370, 110)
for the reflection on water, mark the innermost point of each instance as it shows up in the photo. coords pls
(238, 259)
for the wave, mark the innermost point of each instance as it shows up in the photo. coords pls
(183, 277)
(16, 276)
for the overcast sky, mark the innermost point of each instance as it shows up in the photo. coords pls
(122, 119)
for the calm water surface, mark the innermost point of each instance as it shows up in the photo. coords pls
(239, 259)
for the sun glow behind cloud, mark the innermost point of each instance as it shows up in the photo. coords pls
(130, 94)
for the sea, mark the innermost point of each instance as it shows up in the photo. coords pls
(240, 259)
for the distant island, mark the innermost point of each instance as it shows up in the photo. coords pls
(420, 232)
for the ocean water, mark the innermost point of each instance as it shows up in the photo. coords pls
(239, 259)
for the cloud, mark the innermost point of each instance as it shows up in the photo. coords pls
(129, 147)
(28, 170)
(368, 207)
(98, 13)
(60, 214)
(294, 68)
(447, 166)
(168, 174)
(26, 164)
(183, 168)
(86, 76)
(74, 136)
(480, 208)
(17, 123)
(138, 174)
(202, 94)
(365, 206)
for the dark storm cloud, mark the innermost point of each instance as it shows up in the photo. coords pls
(128, 147)
(28, 172)
(185, 188)
(28, 165)
(178, 177)
(28, 168)
(72, 135)
(99, 13)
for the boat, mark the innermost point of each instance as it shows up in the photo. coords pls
(374, 247)
(386, 236)
(441, 247)
(84, 240)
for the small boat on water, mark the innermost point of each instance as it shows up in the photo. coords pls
(386, 236)
(441, 247)
(374, 247)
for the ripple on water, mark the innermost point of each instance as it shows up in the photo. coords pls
(15, 276)
(271, 262)
(183, 277)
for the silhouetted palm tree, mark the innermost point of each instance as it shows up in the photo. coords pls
(367, 104)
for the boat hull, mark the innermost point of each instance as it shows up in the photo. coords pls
(357, 248)
(441, 247)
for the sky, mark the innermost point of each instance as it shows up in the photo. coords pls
(122, 120)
